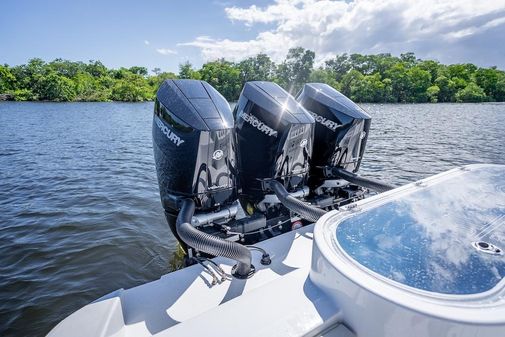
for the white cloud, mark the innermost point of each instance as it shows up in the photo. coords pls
(146, 42)
(166, 51)
(265, 42)
(477, 29)
(443, 29)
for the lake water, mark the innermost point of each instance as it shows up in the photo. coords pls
(80, 214)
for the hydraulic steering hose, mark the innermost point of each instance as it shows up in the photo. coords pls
(304, 210)
(358, 180)
(210, 244)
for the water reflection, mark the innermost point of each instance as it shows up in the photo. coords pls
(425, 240)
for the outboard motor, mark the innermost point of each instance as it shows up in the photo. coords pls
(194, 152)
(193, 146)
(341, 128)
(274, 145)
(341, 134)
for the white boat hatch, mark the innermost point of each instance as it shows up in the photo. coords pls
(445, 238)
(425, 259)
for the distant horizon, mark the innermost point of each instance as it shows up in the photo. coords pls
(162, 34)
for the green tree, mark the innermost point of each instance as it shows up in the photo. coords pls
(339, 66)
(447, 89)
(186, 71)
(7, 79)
(132, 88)
(462, 71)
(85, 86)
(294, 72)
(419, 81)
(430, 66)
(96, 69)
(471, 93)
(65, 68)
(409, 59)
(388, 97)
(24, 95)
(155, 81)
(91, 89)
(491, 80)
(224, 76)
(121, 73)
(365, 78)
(349, 81)
(257, 68)
(54, 87)
(499, 92)
(28, 75)
(400, 82)
(361, 63)
(432, 93)
(142, 71)
(369, 89)
(324, 75)
(380, 63)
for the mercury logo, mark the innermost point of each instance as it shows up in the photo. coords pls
(255, 122)
(218, 154)
(324, 121)
(169, 133)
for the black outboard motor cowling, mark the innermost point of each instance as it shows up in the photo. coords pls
(194, 152)
(193, 146)
(274, 141)
(341, 129)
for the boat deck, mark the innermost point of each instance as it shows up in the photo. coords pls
(278, 300)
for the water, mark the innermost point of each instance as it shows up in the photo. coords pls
(80, 214)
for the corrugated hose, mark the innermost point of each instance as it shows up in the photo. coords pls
(210, 244)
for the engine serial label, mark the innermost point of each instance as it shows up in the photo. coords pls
(256, 123)
(169, 133)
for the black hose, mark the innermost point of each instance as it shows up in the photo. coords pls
(304, 210)
(360, 181)
(210, 244)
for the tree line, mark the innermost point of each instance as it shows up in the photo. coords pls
(380, 78)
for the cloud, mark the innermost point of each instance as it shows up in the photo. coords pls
(166, 51)
(266, 42)
(146, 42)
(444, 30)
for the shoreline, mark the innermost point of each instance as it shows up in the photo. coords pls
(152, 101)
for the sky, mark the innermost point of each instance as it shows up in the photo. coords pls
(165, 33)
